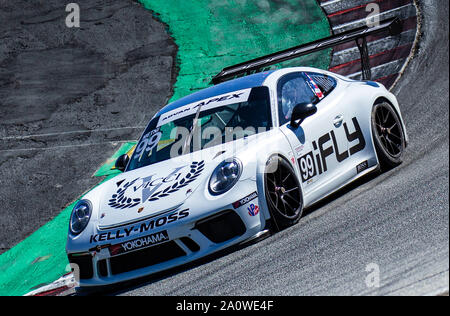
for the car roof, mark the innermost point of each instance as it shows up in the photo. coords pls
(250, 81)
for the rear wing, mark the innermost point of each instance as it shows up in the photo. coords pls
(391, 26)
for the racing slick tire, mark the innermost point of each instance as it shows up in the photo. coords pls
(388, 135)
(283, 193)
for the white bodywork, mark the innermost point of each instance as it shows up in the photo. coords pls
(178, 214)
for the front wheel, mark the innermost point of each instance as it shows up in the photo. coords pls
(283, 193)
(388, 135)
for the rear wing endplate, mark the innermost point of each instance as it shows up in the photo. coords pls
(391, 26)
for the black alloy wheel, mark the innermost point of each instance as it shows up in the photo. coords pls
(388, 135)
(283, 193)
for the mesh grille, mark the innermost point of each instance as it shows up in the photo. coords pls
(222, 227)
(325, 83)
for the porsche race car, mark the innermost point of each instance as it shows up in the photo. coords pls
(226, 164)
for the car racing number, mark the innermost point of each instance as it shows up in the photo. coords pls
(315, 162)
(148, 142)
(307, 166)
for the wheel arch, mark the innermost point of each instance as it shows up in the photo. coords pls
(261, 186)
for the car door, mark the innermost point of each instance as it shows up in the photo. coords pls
(319, 144)
(347, 134)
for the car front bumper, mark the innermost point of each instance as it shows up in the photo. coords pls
(233, 219)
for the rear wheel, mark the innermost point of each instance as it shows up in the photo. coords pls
(283, 193)
(388, 135)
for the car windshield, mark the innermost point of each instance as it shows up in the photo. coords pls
(217, 120)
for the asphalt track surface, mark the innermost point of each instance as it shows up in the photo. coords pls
(397, 220)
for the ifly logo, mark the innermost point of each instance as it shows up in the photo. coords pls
(253, 210)
(324, 148)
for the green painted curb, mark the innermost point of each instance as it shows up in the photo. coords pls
(213, 34)
(41, 258)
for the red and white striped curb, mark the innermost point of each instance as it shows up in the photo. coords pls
(63, 286)
(388, 55)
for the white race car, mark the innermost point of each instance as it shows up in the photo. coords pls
(223, 165)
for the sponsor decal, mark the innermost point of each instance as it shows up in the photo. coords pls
(139, 243)
(292, 158)
(253, 210)
(245, 200)
(315, 162)
(98, 248)
(362, 166)
(299, 149)
(153, 188)
(111, 235)
(142, 228)
(121, 201)
(217, 101)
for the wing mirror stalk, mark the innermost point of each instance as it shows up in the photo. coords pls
(122, 162)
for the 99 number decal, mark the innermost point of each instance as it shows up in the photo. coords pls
(307, 167)
(148, 142)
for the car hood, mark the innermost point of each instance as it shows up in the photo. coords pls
(156, 189)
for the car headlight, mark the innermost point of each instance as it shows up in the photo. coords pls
(225, 177)
(80, 217)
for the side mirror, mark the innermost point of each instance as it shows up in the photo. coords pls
(122, 162)
(300, 112)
